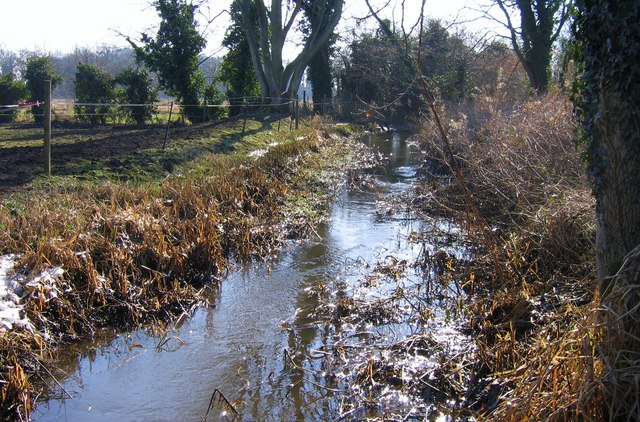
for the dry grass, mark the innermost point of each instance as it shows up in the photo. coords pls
(534, 312)
(621, 334)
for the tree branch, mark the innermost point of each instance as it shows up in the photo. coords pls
(512, 31)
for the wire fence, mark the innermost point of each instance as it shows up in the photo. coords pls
(120, 113)
(89, 131)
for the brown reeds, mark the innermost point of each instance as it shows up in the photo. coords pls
(621, 340)
(536, 324)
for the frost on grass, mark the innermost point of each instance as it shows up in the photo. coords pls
(10, 308)
(12, 290)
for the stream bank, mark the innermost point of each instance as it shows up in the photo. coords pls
(361, 321)
(143, 252)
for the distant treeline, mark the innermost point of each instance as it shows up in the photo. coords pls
(111, 60)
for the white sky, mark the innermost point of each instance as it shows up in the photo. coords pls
(51, 26)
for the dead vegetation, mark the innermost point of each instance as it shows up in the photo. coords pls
(393, 349)
(620, 334)
(124, 254)
(534, 312)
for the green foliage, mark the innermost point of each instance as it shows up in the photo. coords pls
(376, 72)
(236, 70)
(38, 70)
(11, 91)
(382, 68)
(444, 61)
(138, 88)
(174, 53)
(320, 75)
(93, 85)
(213, 97)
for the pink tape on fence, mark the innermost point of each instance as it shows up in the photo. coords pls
(22, 104)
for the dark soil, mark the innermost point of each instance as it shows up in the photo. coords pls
(75, 143)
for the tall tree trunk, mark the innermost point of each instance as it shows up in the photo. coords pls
(618, 247)
(610, 104)
(609, 34)
(537, 62)
(266, 46)
(320, 77)
(540, 24)
(617, 182)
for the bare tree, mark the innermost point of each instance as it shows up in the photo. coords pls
(267, 42)
(540, 24)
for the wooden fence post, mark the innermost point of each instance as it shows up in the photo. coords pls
(166, 132)
(244, 122)
(297, 112)
(47, 128)
(204, 111)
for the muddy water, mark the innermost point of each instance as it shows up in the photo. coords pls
(261, 344)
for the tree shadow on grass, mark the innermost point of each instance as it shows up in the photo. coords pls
(119, 152)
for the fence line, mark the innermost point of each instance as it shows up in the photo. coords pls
(237, 103)
(9, 108)
(243, 107)
(252, 104)
(21, 105)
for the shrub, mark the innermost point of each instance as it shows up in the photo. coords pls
(138, 88)
(11, 92)
(93, 86)
(214, 97)
(38, 70)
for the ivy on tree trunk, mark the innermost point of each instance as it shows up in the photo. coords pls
(609, 105)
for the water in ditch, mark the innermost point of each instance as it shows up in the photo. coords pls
(337, 327)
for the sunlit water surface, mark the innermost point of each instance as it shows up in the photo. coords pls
(241, 346)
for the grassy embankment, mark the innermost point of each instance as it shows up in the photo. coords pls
(139, 236)
(534, 308)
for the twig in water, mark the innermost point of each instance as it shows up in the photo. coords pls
(51, 375)
(223, 399)
(349, 413)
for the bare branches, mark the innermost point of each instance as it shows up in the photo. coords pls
(373, 13)
(514, 34)
(541, 22)
(292, 17)
(383, 25)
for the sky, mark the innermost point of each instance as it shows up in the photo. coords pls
(60, 26)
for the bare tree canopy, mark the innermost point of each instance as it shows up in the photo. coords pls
(267, 42)
(540, 24)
